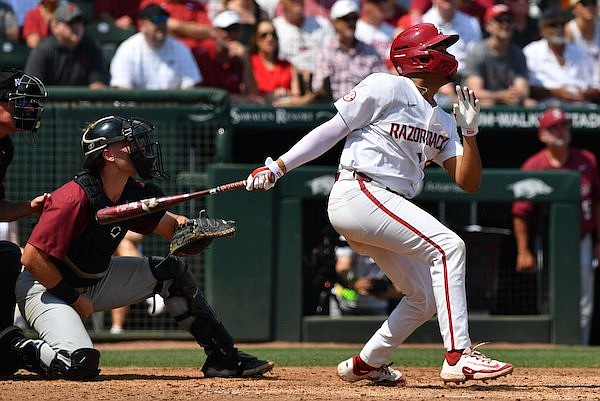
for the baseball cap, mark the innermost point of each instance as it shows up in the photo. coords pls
(154, 13)
(341, 8)
(225, 19)
(495, 11)
(552, 117)
(68, 13)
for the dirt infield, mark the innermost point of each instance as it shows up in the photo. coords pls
(296, 384)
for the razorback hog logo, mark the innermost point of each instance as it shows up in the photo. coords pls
(321, 185)
(350, 96)
(530, 188)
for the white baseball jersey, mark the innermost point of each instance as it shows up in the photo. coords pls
(391, 134)
(395, 132)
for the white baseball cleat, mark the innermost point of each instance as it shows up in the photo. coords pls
(473, 365)
(382, 376)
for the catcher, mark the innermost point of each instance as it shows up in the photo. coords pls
(70, 272)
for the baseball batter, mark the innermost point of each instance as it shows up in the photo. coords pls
(393, 129)
(70, 272)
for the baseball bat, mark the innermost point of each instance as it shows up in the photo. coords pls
(114, 214)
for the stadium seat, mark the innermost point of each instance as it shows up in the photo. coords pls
(13, 54)
(108, 36)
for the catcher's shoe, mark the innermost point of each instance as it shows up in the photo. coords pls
(242, 365)
(473, 365)
(382, 376)
(10, 361)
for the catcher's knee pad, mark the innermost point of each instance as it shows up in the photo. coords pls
(173, 269)
(82, 364)
(169, 268)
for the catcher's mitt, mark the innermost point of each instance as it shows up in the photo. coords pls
(197, 234)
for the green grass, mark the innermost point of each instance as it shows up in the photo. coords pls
(560, 357)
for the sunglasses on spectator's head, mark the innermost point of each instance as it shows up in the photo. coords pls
(159, 19)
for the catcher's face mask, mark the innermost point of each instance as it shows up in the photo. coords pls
(25, 103)
(145, 155)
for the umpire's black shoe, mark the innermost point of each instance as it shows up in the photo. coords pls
(240, 364)
(11, 362)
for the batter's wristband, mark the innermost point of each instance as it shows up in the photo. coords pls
(64, 291)
(469, 131)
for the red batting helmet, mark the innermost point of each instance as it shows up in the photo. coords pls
(412, 52)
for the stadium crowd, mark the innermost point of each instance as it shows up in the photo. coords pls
(511, 52)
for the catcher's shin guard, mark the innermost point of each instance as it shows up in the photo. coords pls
(187, 305)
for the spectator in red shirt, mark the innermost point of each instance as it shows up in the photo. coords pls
(188, 20)
(36, 25)
(274, 77)
(224, 61)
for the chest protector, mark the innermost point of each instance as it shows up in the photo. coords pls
(89, 254)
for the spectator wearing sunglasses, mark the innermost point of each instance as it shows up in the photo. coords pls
(188, 20)
(277, 80)
(224, 61)
(560, 72)
(496, 69)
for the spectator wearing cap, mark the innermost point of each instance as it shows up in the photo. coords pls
(37, 22)
(496, 69)
(152, 58)
(9, 27)
(300, 37)
(250, 15)
(68, 56)
(224, 61)
(584, 28)
(188, 20)
(345, 61)
(559, 71)
(557, 154)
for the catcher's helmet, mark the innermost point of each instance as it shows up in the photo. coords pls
(23, 93)
(145, 155)
(413, 51)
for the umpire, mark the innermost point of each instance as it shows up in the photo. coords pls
(71, 273)
(20, 111)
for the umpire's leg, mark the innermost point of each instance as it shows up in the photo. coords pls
(10, 267)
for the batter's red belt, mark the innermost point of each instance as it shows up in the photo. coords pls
(358, 176)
